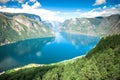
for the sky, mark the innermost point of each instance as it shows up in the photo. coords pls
(60, 10)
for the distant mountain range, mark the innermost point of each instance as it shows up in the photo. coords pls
(99, 26)
(21, 26)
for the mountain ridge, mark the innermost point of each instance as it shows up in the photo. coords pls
(31, 16)
(20, 26)
(98, 26)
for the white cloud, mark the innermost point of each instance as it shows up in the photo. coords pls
(43, 13)
(101, 12)
(20, 1)
(99, 2)
(61, 16)
(34, 6)
(104, 7)
(96, 9)
(33, 1)
(118, 5)
(26, 6)
(4, 1)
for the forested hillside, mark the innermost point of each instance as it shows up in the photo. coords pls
(101, 63)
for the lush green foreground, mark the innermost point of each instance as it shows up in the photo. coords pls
(101, 63)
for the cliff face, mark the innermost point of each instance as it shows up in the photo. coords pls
(99, 26)
(20, 26)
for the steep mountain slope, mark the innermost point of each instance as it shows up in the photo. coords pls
(99, 26)
(101, 63)
(20, 26)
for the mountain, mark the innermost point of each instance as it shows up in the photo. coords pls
(53, 24)
(99, 26)
(31, 16)
(101, 63)
(21, 26)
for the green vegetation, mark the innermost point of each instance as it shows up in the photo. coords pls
(99, 26)
(20, 26)
(109, 42)
(101, 63)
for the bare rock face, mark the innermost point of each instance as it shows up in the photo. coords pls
(20, 26)
(99, 26)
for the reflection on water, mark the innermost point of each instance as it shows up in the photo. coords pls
(82, 42)
(21, 53)
(67, 46)
(45, 50)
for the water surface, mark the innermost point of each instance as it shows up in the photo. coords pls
(45, 50)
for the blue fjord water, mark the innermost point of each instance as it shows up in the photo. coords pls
(45, 50)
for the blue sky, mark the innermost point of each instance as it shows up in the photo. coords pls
(63, 5)
(62, 9)
(69, 5)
